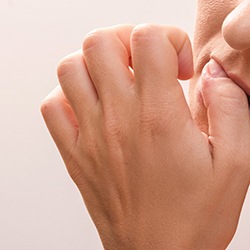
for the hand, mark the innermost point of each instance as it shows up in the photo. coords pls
(149, 177)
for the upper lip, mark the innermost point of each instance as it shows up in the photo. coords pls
(234, 76)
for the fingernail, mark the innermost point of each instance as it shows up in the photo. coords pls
(213, 70)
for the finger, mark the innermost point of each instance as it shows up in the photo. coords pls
(60, 120)
(107, 53)
(228, 115)
(77, 85)
(160, 55)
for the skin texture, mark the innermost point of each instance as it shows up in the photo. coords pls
(227, 40)
(152, 173)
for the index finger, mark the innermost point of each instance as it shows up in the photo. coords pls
(160, 53)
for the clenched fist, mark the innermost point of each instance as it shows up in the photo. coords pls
(149, 177)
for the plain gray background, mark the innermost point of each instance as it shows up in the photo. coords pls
(40, 207)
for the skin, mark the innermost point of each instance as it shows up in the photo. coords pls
(154, 173)
(227, 40)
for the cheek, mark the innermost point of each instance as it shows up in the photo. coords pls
(210, 17)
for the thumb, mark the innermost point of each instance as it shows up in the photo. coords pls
(227, 113)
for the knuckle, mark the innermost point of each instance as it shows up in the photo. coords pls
(48, 104)
(66, 67)
(51, 102)
(95, 39)
(144, 33)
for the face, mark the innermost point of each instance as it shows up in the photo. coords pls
(222, 33)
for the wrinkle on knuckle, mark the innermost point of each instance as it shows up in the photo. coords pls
(95, 39)
(66, 68)
(144, 33)
(173, 33)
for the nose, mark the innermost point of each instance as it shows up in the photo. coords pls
(236, 27)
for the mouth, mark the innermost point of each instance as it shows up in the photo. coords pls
(236, 78)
